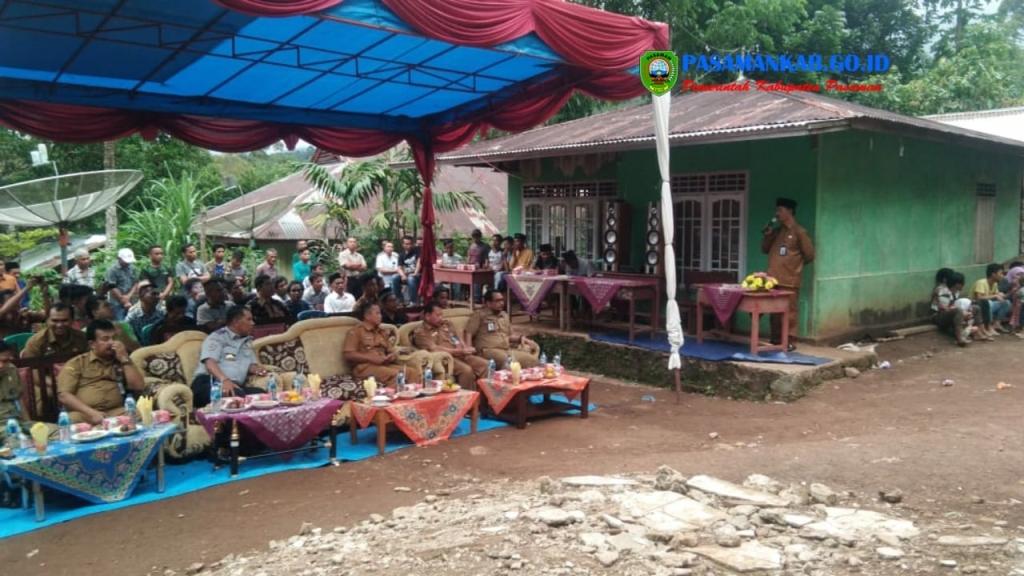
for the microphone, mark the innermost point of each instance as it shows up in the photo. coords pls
(770, 225)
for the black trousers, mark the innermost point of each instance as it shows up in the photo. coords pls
(201, 390)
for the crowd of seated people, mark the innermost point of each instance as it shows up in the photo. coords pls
(991, 307)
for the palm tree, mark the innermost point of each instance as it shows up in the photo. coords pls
(399, 191)
(167, 215)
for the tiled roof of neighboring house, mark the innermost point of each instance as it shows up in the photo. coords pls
(708, 117)
(1003, 122)
(290, 223)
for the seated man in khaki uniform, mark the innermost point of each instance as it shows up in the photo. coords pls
(436, 334)
(489, 330)
(58, 338)
(10, 394)
(88, 385)
(371, 350)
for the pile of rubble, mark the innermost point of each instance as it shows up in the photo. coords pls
(662, 525)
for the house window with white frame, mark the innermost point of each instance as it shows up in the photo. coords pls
(566, 215)
(710, 212)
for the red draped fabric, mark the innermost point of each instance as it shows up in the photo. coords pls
(423, 154)
(278, 7)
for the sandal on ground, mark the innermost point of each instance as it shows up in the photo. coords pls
(791, 348)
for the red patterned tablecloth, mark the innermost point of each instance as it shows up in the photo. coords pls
(723, 298)
(500, 392)
(599, 291)
(281, 428)
(426, 420)
(531, 289)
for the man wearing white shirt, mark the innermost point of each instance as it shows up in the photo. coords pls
(316, 293)
(339, 301)
(387, 268)
(81, 273)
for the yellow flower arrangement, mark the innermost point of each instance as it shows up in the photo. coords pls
(759, 281)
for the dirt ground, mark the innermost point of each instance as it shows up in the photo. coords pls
(944, 447)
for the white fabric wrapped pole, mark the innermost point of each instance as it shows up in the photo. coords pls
(673, 325)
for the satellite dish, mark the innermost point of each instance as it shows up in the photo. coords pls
(245, 219)
(60, 200)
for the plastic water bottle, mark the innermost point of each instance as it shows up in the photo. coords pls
(298, 383)
(508, 362)
(129, 408)
(558, 363)
(543, 359)
(428, 376)
(24, 441)
(13, 430)
(491, 366)
(216, 393)
(400, 382)
(64, 423)
(272, 387)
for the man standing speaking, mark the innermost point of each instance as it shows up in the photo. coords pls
(788, 247)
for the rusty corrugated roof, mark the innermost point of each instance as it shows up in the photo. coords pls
(703, 116)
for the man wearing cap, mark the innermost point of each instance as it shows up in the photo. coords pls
(122, 277)
(788, 247)
(81, 273)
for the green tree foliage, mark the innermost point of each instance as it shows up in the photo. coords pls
(12, 245)
(166, 217)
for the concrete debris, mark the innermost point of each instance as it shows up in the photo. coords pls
(733, 492)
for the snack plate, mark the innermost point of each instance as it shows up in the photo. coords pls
(408, 394)
(448, 389)
(118, 432)
(298, 403)
(429, 391)
(234, 410)
(90, 436)
(264, 404)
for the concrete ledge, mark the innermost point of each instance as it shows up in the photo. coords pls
(746, 380)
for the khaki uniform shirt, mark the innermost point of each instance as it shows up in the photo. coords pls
(10, 397)
(363, 340)
(489, 330)
(93, 380)
(426, 337)
(522, 259)
(44, 343)
(788, 249)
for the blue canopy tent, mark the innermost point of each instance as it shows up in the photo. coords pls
(353, 77)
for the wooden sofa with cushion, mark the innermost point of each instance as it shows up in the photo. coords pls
(168, 369)
(459, 317)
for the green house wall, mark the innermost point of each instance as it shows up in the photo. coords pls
(888, 219)
(882, 223)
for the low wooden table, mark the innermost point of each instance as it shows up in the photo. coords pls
(512, 404)
(470, 277)
(756, 304)
(383, 416)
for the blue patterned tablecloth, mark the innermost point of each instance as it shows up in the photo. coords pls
(103, 471)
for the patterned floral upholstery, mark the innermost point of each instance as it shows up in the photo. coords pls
(289, 356)
(165, 366)
(342, 388)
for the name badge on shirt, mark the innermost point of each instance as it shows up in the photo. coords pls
(783, 251)
(230, 357)
(491, 326)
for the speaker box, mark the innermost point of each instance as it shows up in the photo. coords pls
(654, 252)
(616, 225)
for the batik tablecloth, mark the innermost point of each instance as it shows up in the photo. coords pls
(599, 291)
(723, 298)
(500, 392)
(280, 428)
(426, 420)
(103, 471)
(531, 289)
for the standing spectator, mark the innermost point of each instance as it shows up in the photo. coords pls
(122, 278)
(300, 245)
(7, 281)
(14, 269)
(146, 311)
(82, 272)
(478, 251)
(522, 255)
(190, 266)
(409, 262)
(339, 301)
(448, 257)
(295, 302)
(268, 267)
(58, 337)
(350, 260)
(789, 248)
(266, 309)
(496, 261)
(388, 268)
(302, 268)
(217, 267)
(212, 314)
(15, 318)
(237, 272)
(156, 273)
(993, 305)
(317, 292)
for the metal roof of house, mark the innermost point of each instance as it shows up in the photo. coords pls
(293, 223)
(711, 117)
(1002, 122)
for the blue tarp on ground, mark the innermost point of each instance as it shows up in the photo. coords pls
(711, 350)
